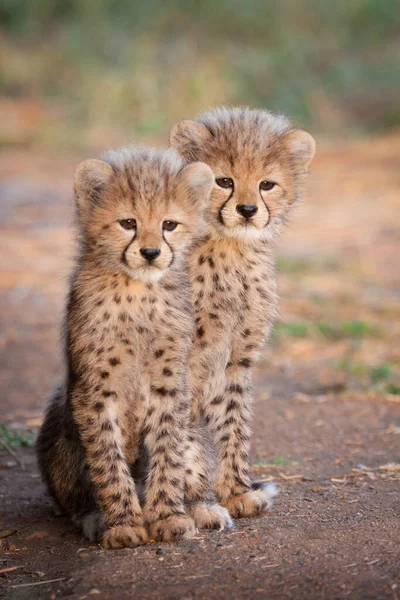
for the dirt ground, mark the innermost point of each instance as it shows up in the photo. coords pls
(327, 409)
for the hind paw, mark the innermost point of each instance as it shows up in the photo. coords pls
(252, 503)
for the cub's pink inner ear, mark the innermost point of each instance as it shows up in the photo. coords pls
(302, 147)
(196, 181)
(188, 138)
(90, 177)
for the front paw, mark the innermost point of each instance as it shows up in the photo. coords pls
(172, 528)
(210, 516)
(250, 504)
(124, 536)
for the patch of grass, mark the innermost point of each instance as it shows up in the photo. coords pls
(375, 373)
(281, 460)
(298, 330)
(278, 461)
(393, 389)
(356, 330)
(327, 330)
(380, 373)
(352, 368)
(294, 265)
(359, 329)
(17, 438)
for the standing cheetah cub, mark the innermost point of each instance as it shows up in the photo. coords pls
(128, 332)
(259, 162)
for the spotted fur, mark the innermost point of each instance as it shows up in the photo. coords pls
(123, 408)
(259, 161)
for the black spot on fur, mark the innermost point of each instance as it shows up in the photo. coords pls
(232, 405)
(108, 394)
(245, 362)
(236, 388)
(166, 418)
(217, 400)
(114, 361)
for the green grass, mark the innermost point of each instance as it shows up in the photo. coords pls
(297, 266)
(282, 461)
(380, 373)
(377, 375)
(298, 330)
(277, 461)
(17, 438)
(393, 389)
(355, 330)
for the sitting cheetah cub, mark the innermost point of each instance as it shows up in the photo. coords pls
(128, 333)
(259, 162)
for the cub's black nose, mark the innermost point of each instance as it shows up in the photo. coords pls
(247, 210)
(150, 253)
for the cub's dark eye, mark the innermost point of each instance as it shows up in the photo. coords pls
(267, 185)
(128, 223)
(224, 182)
(169, 225)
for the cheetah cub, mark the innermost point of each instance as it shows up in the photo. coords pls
(128, 332)
(259, 162)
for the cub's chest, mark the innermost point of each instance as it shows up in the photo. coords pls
(123, 313)
(224, 278)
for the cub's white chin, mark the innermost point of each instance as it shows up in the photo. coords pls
(146, 274)
(243, 232)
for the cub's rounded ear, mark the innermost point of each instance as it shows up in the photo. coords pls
(301, 145)
(90, 179)
(188, 138)
(196, 181)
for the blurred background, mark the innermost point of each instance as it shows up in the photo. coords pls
(78, 76)
(77, 73)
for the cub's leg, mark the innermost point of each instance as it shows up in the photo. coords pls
(164, 436)
(234, 410)
(200, 469)
(224, 396)
(96, 417)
